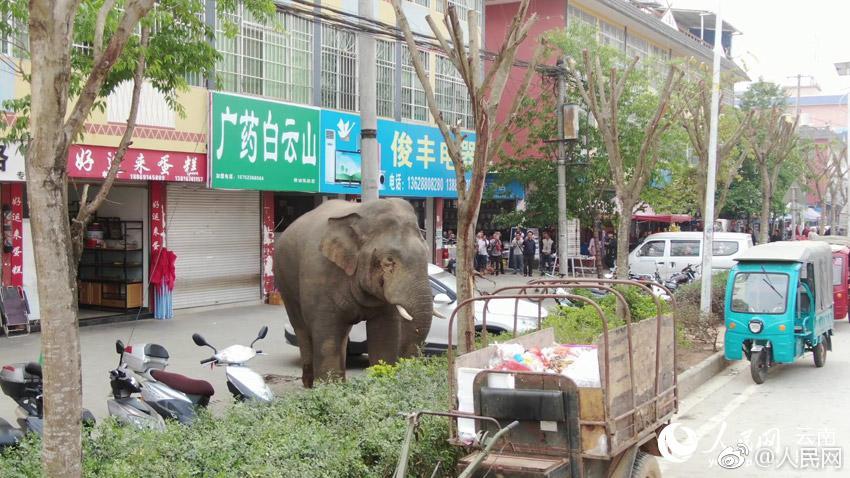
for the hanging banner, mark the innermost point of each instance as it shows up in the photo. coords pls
(263, 145)
(414, 158)
(92, 162)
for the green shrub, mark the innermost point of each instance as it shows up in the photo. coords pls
(348, 429)
(703, 330)
(581, 324)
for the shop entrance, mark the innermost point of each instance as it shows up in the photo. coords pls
(112, 274)
(289, 207)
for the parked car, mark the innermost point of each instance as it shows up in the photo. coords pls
(670, 252)
(500, 316)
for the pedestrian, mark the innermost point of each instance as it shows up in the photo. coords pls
(495, 251)
(480, 252)
(516, 250)
(753, 234)
(529, 247)
(546, 252)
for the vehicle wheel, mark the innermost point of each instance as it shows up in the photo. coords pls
(759, 365)
(820, 353)
(646, 466)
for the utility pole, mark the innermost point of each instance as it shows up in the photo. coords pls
(370, 163)
(562, 170)
(708, 219)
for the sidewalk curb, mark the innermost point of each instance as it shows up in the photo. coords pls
(692, 378)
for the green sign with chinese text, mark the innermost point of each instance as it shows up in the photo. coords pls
(262, 145)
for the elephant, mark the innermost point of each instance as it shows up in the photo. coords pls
(343, 263)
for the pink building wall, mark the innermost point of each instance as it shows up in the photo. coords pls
(551, 15)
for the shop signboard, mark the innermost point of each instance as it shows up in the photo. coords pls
(11, 163)
(92, 162)
(414, 158)
(263, 145)
(511, 190)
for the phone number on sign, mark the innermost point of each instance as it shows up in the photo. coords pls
(424, 183)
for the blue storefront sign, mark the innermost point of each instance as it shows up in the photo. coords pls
(414, 158)
(511, 190)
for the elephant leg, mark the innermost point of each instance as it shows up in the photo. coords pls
(382, 334)
(329, 352)
(305, 342)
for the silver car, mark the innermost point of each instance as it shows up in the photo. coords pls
(500, 316)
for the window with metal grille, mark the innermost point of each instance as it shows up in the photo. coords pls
(339, 69)
(413, 103)
(577, 14)
(637, 47)
(452, 97)
(463, 7)
(611, 34)
(424, 3)
(385, 54)
(264, 60)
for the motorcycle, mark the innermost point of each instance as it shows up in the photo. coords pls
(172, 395)
(22, 382)
(243, 383)
(685, 276)
(126, 405)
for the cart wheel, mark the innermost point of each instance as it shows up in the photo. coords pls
(646, 466)
(820, 353)
(759, 365)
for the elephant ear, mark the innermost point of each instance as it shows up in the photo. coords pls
(342, 242)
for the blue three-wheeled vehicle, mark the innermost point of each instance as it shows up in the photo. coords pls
(779, 305)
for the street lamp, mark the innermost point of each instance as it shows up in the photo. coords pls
(843, 69)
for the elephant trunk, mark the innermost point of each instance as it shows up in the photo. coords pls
(416, 308)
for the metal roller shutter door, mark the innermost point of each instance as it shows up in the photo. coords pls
(216, 236)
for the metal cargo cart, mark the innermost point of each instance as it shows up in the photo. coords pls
(531, 424)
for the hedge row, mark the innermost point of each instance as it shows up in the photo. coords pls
(349, 429)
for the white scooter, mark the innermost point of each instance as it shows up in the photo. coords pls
(243, 383)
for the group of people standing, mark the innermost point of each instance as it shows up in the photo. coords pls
(522, 250)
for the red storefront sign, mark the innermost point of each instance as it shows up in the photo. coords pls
(93, 162)
(13, 240)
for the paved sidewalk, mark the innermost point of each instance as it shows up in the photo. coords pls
(221, 326)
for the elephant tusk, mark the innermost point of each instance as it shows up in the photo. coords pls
(404, 313)
(438, 315)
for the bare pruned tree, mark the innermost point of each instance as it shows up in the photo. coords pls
(825, 174)
(486, 90)
(603, 92)
(772, 136)
(696, 119)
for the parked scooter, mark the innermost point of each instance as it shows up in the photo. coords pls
(685, 276)
(23, 383)
(243, 383)
(126, 407)
(172, 395)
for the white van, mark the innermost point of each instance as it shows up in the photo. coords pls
(670, 252)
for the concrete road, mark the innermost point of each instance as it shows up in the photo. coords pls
(221, 326)
(794, 425)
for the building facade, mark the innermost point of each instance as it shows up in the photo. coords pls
(273, 133)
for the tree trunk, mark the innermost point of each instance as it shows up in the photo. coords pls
(766, 194)
(464, 273)
(623, 229)
(50, 33)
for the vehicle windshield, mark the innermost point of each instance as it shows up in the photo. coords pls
(760, 293)
(837, 270)
(444, 283)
